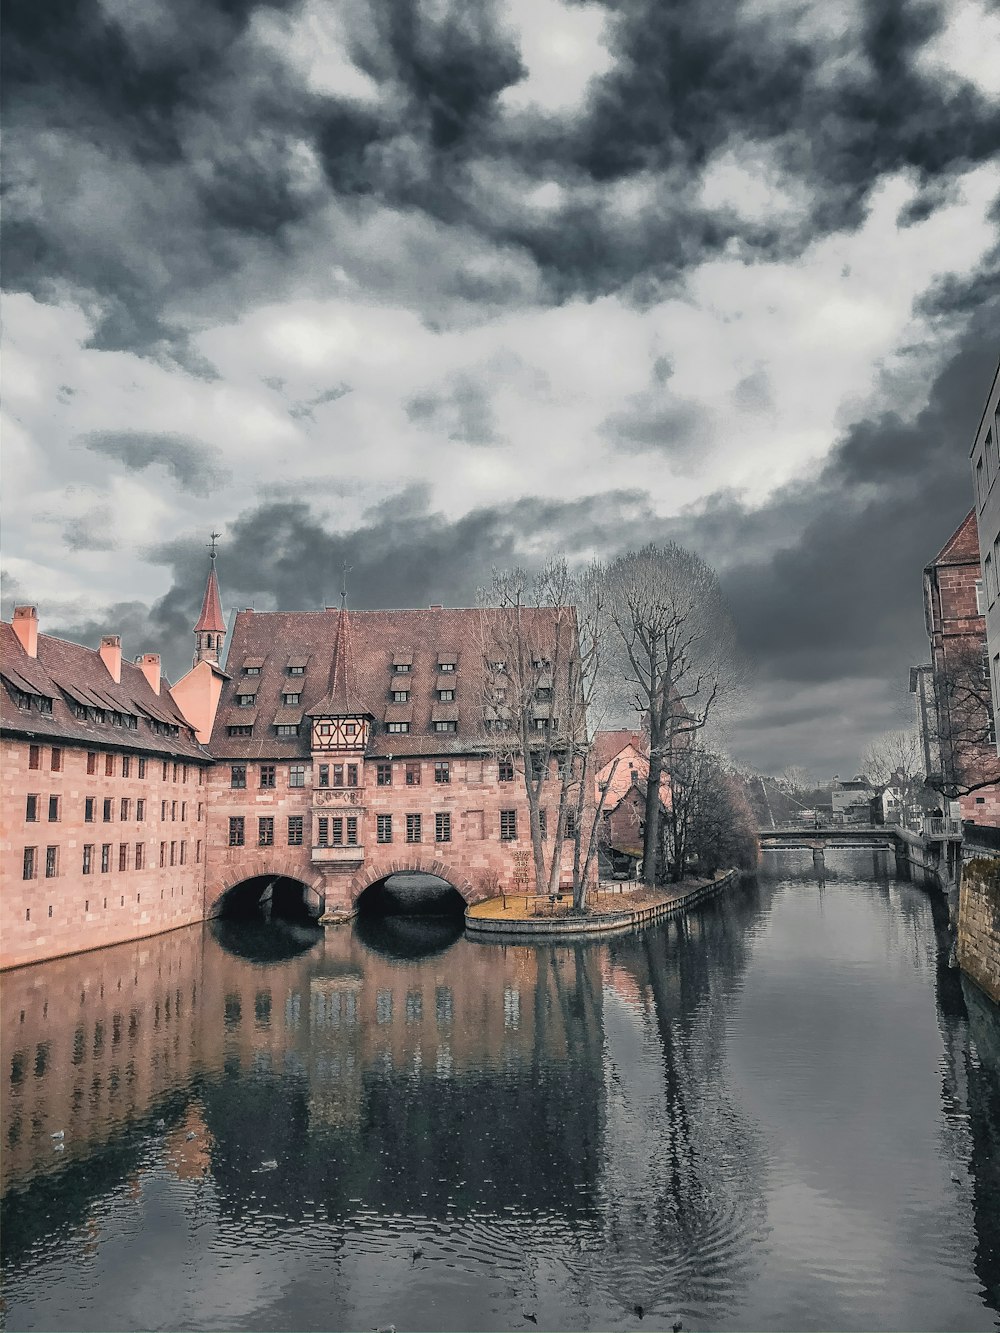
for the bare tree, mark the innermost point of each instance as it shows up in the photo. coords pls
(962, 731)
(896, 756)
(679, 662)
(721, 826)
(541, 640)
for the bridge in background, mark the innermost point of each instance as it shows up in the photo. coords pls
(866, 836)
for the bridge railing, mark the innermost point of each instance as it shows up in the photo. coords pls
(936, 826)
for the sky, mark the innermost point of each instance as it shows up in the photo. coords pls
(435, 287)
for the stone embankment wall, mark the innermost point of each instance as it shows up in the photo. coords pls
(979, 925)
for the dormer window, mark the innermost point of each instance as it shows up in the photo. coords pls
(251, 671)
(400, 696)
(246, 700)
(400, 668)
(541, 664)
(498, 666)
(296, 671)
(446, 726)
(397, 727)
(291, 698)
(446, 696)
(287, 729)
(252, 666)
(543, 694)
(446, 666)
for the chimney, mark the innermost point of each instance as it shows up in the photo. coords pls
(149, 664)
(25, 626)
(111, 655)
(436, 606)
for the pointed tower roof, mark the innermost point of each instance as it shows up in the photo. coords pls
(342, 699)
(211, 620)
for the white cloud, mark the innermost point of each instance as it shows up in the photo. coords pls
(562, 47)
(746, 180)
(315, 41)
(967, 47)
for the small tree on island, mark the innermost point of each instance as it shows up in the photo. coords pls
(679, 664)
(542, 638)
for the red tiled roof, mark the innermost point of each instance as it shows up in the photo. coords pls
(211, 618)
(64, 669)
(378, 640)
(607, 744)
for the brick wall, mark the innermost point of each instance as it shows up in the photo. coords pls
(48, 914)
(979, 925)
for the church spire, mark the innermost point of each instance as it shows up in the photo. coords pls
(211, 627)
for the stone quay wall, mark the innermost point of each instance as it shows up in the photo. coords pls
(979, 925)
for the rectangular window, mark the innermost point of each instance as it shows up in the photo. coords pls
(177, 769)
(569, 824)
(980, 483)
(51, 862)
(197, 851)
(337, 834)
(163, 810)
(508, 825)
(296, 671)
(383, 828)
(142, 768)
(268, 775)
(251, 671)
(442, 826)
(88, 809)
(338, 775)
(412, 828)
(991, 582)
(173, 810)
(88, 858)
(166, 770)
(413, 775)
(173, 852)
(140, 811)
(126, 808)
(505, 770)
(163, 854)
(352, 775)
(109, 765)
(324, 775)
(445, 726)
(246, 700)
(123, 856)
(296, 775)
(383, 774)
(400, 668)
(290, 698)
(126, 765)
(991, 458)
(56, 759)
(400, 696)
(31, 809)
(442, 770)
(238, 776)
(91, 762)
(446, 666)
(140, 856)
(287, 729)
(295, 830)
(108, 809)
(446, 696)
(980, 597)
(34, 756)
(352, 830)
(323, 830)
(236, 830)
(29, 871)
(240, 730)
(105, 857)
(397, 728)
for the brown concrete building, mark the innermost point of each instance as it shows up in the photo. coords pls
(346, 746)
(959, 730)
(350, 746)
(103, 797)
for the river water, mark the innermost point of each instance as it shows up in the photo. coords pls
(781, 1112)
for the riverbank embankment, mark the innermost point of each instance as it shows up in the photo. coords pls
(612, 907)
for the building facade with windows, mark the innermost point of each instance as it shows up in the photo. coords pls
(985, 460)
(103, 832)
(351, 745)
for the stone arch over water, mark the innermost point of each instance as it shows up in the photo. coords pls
(254, 877)
(415, 863)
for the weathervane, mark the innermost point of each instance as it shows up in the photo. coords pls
(212, 554)
(343, 584)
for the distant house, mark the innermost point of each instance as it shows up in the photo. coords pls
(851, 801)
(622, 775)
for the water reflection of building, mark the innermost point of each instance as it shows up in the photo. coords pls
(98, 1042)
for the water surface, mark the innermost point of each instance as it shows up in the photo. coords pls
(782, 1112)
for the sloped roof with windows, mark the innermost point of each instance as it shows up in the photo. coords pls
(379, 640)
(70, 672)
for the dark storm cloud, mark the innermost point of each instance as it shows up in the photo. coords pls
(165, 142)
(92, 531)
(192, 463)
(672, 427)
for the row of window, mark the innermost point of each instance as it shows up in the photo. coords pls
(171, 853)
(42, 703)
(293, 728)
(114, 764)
(168, 809)
(86, 908)
(986, 463)
(346, 775)
(991, 570)
(342, 830)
